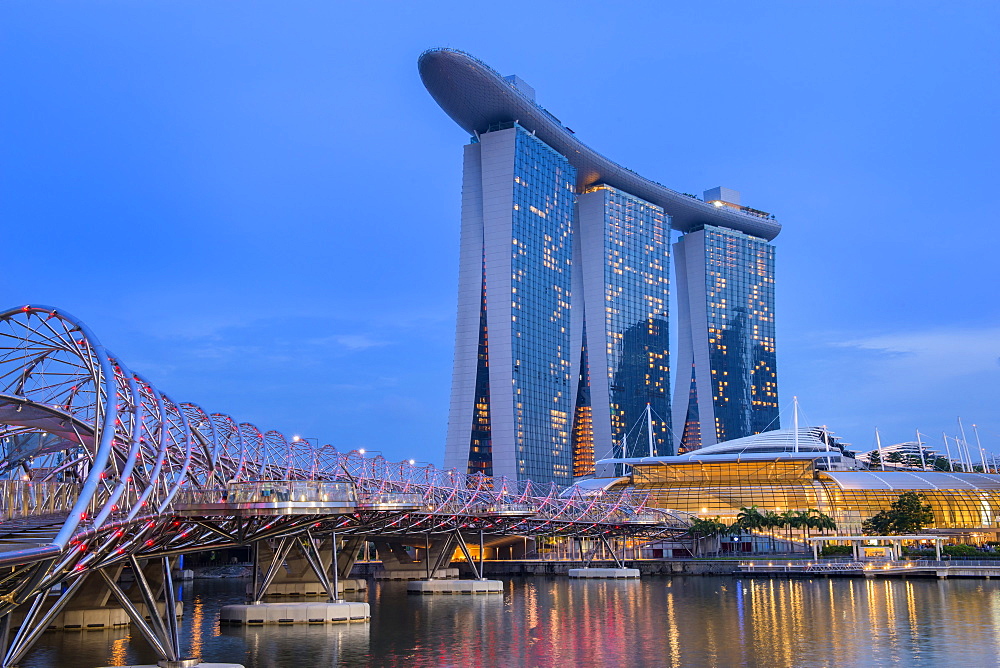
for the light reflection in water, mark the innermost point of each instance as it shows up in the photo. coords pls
(197, 624)
(673, 632)
(911, 611)
(549, 621)
(119, 649)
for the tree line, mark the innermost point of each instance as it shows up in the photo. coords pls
(908, 514)
(751, 519)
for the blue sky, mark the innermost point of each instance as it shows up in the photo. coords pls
(256, 205)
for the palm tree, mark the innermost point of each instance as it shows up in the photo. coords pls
(771, 520)
(814, 519)
(800, 521)
(749, 519)
(802, 518)
(788, 521)
(822, 521)
(706, 528)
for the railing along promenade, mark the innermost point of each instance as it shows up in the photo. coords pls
(875, 567)
(104, 469)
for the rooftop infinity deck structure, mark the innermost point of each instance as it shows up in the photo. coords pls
(477, 97)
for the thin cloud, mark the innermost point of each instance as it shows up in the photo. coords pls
(349, 341)
(939, 353)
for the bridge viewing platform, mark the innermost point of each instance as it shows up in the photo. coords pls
(103, 474)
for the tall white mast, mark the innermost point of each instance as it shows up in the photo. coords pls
(649, 427)
(965, 442)
(920, 447)
(951, 464)
(795, 421)
(982, 453)
(878, 444)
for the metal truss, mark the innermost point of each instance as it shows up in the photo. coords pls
(101, 468)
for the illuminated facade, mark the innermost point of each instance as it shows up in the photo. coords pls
(562, 333)
(564, 305)
(623, 286)
(727, 386)
(773, 476)
(513, 345)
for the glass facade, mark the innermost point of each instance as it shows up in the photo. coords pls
(631, 258)
(531, 366)
(583, 420)
(578, 364)
(481, 446)
(576, 385)
(738, 327)
(711, 489)
(541, 261)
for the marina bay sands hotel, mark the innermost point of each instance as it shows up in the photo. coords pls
(562, 341)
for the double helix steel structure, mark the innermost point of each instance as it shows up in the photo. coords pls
(100, 468)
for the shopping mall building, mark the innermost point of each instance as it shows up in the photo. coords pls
(780, 470)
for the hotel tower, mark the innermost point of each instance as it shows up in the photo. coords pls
(562, 341)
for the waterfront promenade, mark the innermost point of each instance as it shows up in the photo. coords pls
(942, 569)
(763, 566)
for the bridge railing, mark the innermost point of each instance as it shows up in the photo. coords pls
(512, 508)
(391, 499)
(271, 491)
(21, 498)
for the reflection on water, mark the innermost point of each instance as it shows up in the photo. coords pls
(662, 621)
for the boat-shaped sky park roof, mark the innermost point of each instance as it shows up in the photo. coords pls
(477, 97)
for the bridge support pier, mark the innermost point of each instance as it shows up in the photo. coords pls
(618, 573)
(319, 562)
(478, 586)
(33, 622)
(297, 577)
(605, 573)
(85, 607)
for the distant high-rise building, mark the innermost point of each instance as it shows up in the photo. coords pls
(562, 340)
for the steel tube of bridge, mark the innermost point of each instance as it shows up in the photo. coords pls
(147, 631)
(27, 625)
(20, 647)
(427, 554)
(255, 572)
(170, 610)
(336, 572)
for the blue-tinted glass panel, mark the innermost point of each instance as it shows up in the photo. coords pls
(541, 252)
(739, 288)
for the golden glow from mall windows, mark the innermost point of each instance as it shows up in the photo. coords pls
(722, 488)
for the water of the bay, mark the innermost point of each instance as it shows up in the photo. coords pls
(552, 621)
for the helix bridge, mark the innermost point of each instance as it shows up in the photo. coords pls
(101, 470)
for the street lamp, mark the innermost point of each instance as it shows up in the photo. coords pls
(315, 451)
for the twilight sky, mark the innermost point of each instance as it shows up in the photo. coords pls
(256, 204)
